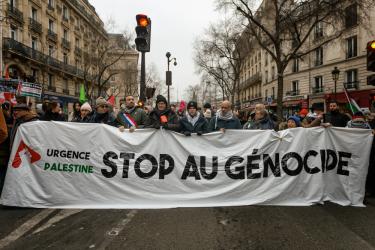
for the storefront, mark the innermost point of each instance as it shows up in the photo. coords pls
(364, 98)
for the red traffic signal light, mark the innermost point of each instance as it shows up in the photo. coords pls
(371, 56)
(142, 20)
(143, 31)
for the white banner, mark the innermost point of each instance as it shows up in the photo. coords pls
(72, 165)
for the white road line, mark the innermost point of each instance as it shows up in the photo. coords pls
(25, 227)
(58, 217)
(115, 231)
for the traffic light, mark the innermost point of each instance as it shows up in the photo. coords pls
(143, 30)
(371, 56)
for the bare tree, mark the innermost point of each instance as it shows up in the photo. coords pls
(192, 92)
(216, 54)
(284, 27)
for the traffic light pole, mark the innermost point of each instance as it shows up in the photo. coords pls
(142, 90)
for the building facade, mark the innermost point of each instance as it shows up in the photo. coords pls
(309, 79)
(49, 41)
(125, 69)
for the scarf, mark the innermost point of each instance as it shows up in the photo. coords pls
(228, 116)
(129, 110)
(192, 120)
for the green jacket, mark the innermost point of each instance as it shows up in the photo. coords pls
(139, 116)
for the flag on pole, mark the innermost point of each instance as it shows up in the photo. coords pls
(82, 94)
(111, 100)
(354, 107)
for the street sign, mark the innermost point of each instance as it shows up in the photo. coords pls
(269, 100)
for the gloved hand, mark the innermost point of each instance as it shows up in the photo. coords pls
(187, 133)
(199, 132)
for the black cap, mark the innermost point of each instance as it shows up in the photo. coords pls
(192, 104)
(161, 98)
(207, 105)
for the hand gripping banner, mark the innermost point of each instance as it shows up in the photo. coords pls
(74, 165)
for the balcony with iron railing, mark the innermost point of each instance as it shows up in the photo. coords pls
(16, 47)
(257, 78)
(15, 13)
(317, 90)
(65, 43)
(78, 51)
(35, 26)
(351, 85)
(52, 36)
(294, 92)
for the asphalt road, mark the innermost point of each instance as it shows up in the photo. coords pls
(253, 227)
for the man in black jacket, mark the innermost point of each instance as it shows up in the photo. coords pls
(193, 121)
(334, 117)
(162, 116)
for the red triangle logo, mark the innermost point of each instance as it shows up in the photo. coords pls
(34, 156)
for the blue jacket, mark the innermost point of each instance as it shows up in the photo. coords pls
(201, 126)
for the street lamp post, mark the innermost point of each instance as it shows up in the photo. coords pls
(335, 77)
(169, 73)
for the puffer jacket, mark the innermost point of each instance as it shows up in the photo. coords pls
(154, 120)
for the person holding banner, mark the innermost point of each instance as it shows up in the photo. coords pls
(162, 116)
(3, 137)
(225, 119)
(85, 111)
(131, 116)
(102, 114)
(335, 117)
(193, 121)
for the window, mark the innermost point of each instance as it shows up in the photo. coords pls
(14, 33)
(34, 14)
(273, 93)
(295, 89)
(50, 50)
(351, 16)
(352, 47)
(266, 93)
(34, 73)
(318, 84)
(12, 3)
(50, 80)
(273, 73)
(266, 59)
(77, 43)
(266, 77)
(318, 30)
(34, 43)
(65, 35)
(51, 25)
(351, 79)
(77, 87)
(65, 57)
(295, 65)
(319, 56)
(65, 13)
(66, 84)
(51, 4)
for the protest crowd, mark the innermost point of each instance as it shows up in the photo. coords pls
(186, 120)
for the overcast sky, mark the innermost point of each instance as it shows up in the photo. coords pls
(175, 25)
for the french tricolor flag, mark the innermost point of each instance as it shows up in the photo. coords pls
(127, 119)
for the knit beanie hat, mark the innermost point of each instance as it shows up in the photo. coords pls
(86, 106)
(161, 98)
(192, 104)
(100, 101)
(304, 112)
(207, 106)
(296, 120)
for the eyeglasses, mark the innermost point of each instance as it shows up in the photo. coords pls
(103, 106)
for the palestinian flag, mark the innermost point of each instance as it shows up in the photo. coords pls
(352, 104)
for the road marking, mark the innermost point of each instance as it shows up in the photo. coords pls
(58, 217)
(25, 227)
(115, 231)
